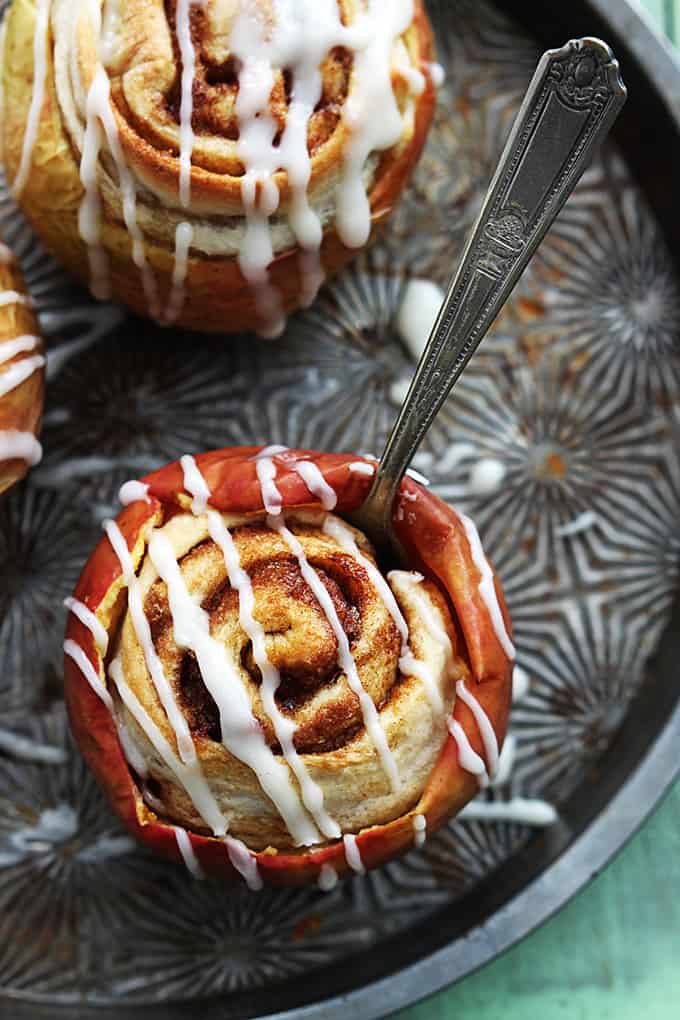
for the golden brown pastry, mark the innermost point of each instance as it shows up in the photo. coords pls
(255, 695)
(208, 163)
(21, 375)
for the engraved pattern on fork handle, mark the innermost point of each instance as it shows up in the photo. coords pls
(574, 98)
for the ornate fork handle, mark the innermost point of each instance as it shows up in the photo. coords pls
(572, 102)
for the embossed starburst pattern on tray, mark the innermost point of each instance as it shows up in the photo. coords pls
(575, 395)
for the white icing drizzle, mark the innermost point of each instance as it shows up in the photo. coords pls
(371, 114)
(241, 734)
(408, 664)
(189, 775)
(353, 854)
(245, 862)
(27, 749)
(359, 468)
(75, 652)
(184, 235)
(418, 311)
(487, 588)
(525, 812)
(188, 853)
(133, 492)
(6, 255)
(131, 752)
(266, 474)
(506, 761)
(436, 73)
(486, 730)
(98, 108)
(486, 476)
(195, 484)
(369, 712)
(328, 878)
(316, 483)
(467, 756)
(42, 18)
(185, 744)
(20, 446)
(418, 477)
(13, 297)
(186, 133)
(419, 830)
(19, 372)
(89, 620)
(18, 345)
(284, 728)
(520, 683)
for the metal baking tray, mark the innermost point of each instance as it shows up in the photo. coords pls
(576, 392)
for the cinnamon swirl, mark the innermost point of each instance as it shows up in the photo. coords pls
(21, 375)
(251, 690)
(209, 163)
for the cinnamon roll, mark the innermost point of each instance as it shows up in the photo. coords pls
(21, 375)
(256, 695)
(209, 163)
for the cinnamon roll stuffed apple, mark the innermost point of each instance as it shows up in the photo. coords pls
(256, 695)
(209, 163)
(21, 375)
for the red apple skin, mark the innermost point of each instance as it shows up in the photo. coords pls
(435, 540)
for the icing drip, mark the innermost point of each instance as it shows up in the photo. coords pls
(436, 73)
(185, 744)
(188, 853)
(98, 108)
(312, 797)
(19, 372)
(244, 862)
(408, 664)
(520, 683)
(506, 761)
(524, 812)
(353, 854)
(346, 661)
(89, 620)
(419, 830)
(132, 492)
(418, 311)
(75, 652)
(467, 756)
(27, 749)
(186, 133)
(486, 730)
(184, 235)
(42, 17)
(20, 446)
(487, 587)
(13, 297)
(241, 734)
(316, 483)
(189, 775)
(371, 114)
(362, 469)
(195, 484)
(266, 473)
(19, 345)
(328, 878)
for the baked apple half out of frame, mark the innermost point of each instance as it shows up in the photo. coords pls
(257, 695)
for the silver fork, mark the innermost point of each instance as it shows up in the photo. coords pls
(574, 98)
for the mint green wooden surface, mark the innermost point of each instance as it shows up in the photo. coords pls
(614, 952)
